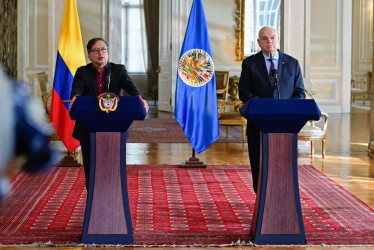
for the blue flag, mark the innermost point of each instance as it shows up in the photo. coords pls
(196, 95)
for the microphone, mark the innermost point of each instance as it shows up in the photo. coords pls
(274, 75)
(108, 74)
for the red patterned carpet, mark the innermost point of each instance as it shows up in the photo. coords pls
(169, 130)
(178, 206)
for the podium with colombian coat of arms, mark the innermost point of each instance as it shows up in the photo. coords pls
(107, 218)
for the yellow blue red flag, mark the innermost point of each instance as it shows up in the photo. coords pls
(70, 56)
(196, 95)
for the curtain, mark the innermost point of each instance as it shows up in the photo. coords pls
(151, 13)
(8, 37)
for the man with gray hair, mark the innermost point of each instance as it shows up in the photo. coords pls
(267, 74)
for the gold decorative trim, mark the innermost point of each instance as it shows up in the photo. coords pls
(239, 29)
(108, 102)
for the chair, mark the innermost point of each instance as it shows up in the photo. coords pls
(46, 98)
(74, 158)
(232, 118)
(311, 132)
(359, 89)
(222, 84)
(314, 131)
(41, 81)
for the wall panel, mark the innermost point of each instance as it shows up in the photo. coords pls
(330, 53)
(362, 39)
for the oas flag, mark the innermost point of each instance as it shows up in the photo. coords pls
(196, 95)
(70, 56)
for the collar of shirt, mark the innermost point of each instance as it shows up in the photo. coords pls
(275, 61)
(97, 72)
(100, 78)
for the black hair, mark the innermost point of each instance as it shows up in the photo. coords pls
(93, 41)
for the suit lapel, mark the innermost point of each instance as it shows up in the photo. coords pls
(262, 66)
(281, 65)
(92, 79)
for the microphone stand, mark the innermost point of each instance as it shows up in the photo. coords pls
(108, 75)
(276, 84)
(274, 75)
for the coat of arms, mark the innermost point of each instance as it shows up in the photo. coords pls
(108, 102)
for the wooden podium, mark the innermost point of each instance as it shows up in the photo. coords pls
(107, 218)
(277, 218)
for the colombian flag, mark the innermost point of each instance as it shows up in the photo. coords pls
(70, 56)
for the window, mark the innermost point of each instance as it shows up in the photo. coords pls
(134, 42)
(259, 13)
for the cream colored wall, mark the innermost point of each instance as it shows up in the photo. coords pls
(362, 39)
(39, 25)
(295, 39)
(315, 32)
(330, 57)
(325, 50)
(221, 27)
(32, 55)
(91, 23)
(91, 15)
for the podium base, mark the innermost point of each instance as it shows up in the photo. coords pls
(107, 218)
(277, 216)
(193, 162)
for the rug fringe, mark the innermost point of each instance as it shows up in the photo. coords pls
(238, 243)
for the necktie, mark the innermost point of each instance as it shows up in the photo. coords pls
(272, 67)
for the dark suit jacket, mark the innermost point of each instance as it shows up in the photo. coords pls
(255, 82)
(85, 84)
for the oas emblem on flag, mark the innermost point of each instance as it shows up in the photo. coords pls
(196, 67)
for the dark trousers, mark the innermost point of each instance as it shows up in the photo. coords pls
(85, 146)
(254, 156)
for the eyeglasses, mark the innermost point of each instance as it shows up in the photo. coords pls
(97, 50)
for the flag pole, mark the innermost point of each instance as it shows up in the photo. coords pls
(193, 162)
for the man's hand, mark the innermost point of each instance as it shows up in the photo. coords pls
(72, 101)
(145, 104)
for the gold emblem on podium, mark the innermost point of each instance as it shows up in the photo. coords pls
(108, 102)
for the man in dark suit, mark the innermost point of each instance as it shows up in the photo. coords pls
(260, 75)
(93, 79)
